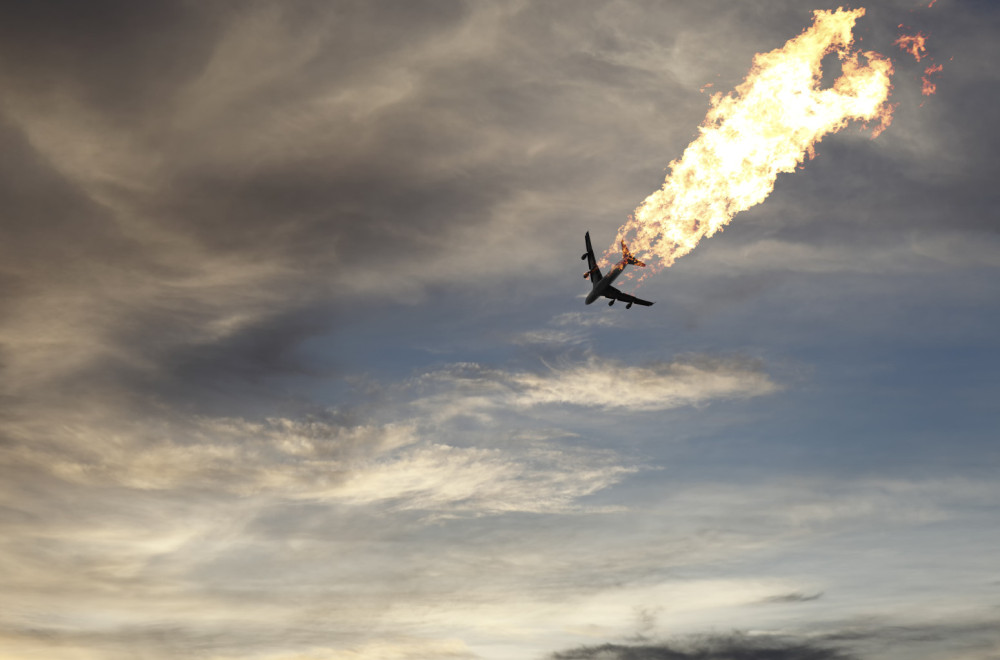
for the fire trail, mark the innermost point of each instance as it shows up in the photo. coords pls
(769, 124)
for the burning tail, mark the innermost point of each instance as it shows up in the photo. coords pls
(628, 258)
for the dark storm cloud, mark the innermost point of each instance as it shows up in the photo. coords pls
(734, 647)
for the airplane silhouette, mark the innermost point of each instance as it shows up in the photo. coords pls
(602, 283)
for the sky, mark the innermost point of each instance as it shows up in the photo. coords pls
(295, 362)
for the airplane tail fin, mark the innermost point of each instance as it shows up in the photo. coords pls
(629, 259)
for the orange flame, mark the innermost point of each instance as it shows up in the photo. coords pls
(914, 44)
(930, 87)
(768, 125)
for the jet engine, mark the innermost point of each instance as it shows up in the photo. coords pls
(628, 306)
(611, 303)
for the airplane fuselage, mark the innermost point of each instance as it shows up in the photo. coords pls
(605, 282)
(601, 284)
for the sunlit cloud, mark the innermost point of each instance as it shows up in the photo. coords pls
(313, 460)
(659, 386)
(413, 648)
(445, 477)
(597, 383)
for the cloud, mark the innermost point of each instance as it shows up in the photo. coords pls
(658, 386)
(215, 487)
(440, 477)
(910, 254)
(371, 464)
(972, 633)
(794, 597)
(472, 389)
(566, 329)
(711, 647)
(214, 643)
(403, 649)
(293, 458)
(549, 336)
(579, 319)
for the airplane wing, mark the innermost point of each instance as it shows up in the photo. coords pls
(595, 272)
(626, 297)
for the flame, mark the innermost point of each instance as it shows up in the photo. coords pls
(914, 44)
(930, 87)
(769, 124)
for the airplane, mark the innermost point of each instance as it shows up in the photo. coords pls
(602, 284)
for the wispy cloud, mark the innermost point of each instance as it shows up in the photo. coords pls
(567, 329)
(579, 319)
(413, 648)
(794, 597)
(598, 383)
(315, 460)
(658, 386)
(911, 254)
(550, 336)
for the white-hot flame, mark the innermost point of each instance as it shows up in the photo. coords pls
(768, 125)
